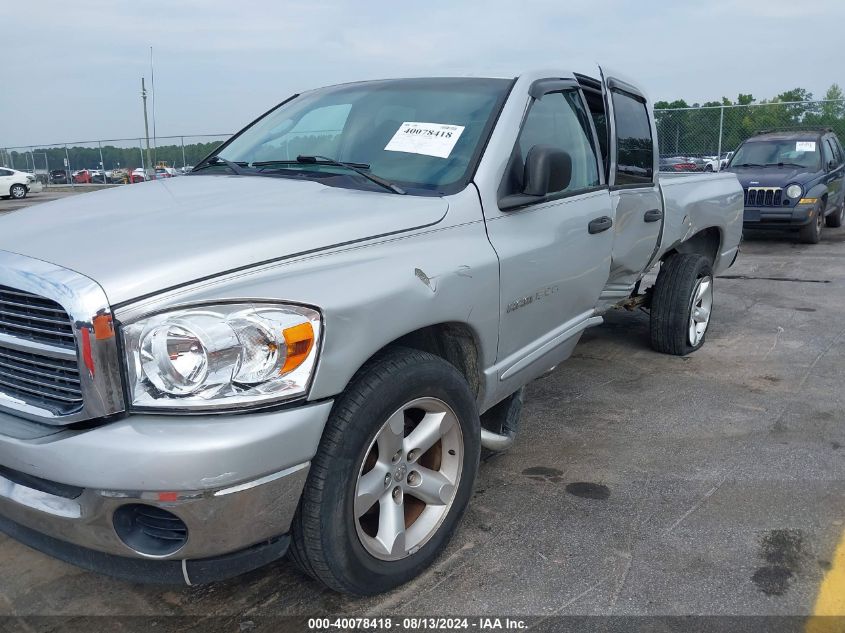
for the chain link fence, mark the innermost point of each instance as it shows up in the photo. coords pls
(109, 160)
(703, 137)
(709, 133)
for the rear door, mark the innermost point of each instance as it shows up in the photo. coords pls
(554, 254)
(634, 191)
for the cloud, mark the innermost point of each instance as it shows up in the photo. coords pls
(219, 64)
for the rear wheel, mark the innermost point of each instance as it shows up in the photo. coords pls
(812, 233)
(681, 304)
(392, 477)
(835, 219)
(17, 191)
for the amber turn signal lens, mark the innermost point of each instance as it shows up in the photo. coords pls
(103, 327)
(808, 201)
(299, 340)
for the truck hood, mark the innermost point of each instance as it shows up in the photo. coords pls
(136, 240)
(772, 176)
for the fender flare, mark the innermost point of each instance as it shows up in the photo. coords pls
(819, 190)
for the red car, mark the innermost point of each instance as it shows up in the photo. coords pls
(82, 177)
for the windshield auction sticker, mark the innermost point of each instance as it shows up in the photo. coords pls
(431, 139)
(805, 146)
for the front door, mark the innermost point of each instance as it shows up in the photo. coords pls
(555, 254)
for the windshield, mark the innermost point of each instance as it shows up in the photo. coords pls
(791, 153)
(418, 133)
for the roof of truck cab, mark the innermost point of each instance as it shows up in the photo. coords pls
(530, 73)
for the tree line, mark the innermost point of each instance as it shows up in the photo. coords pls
(684, 128)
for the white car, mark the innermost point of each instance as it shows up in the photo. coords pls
(711, 163)
(15, 184)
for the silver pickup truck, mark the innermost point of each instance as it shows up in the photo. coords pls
(303, 345)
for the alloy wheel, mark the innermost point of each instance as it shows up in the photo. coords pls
(702, 305)
(408, 479)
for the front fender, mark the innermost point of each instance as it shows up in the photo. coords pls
(818, 190)
(372, 293)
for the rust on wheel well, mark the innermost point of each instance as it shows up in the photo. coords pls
(454, 342)
(706, 242)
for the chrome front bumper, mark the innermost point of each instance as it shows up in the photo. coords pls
(233, 480)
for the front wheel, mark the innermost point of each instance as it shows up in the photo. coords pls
(17, 192)
(392, 476)
(812, 233)
(681, 304)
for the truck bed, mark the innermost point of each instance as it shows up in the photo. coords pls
(695, 201)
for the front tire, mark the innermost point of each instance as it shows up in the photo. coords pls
(17, 192)
(681, 304)
(812, 233)
(392, 476)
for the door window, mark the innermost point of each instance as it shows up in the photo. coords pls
(560, 119)
(634, 141)
(837, 149)
(827, 153)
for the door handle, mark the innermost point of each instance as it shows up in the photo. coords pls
(653, 215)
(599, 224)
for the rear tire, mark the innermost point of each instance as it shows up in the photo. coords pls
(17, 192)
(360, 471)
(834, 220)
(681, 304)
(812, 233)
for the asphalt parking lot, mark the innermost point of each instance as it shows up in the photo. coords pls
(640, 484)
(47, 195)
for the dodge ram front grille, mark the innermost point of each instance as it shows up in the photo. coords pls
(59, 362)
(763, 197)
(28, 316)
(37, 378)
(50, 383)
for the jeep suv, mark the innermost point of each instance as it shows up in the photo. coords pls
(793, 180)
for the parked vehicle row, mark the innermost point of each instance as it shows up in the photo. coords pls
(115, 176)
(317, 371)
(693, 163)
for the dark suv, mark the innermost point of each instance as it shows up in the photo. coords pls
(792, 180)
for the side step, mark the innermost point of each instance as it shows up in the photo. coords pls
(504, 418)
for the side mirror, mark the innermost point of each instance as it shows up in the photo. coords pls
(547, 169)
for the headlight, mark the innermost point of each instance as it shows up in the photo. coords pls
(794, 191)
(221, 357)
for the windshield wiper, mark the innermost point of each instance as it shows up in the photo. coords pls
(747, 165)
(213, 161)
(782, 164)
(358, 168)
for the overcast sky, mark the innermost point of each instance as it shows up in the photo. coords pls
(72, 69)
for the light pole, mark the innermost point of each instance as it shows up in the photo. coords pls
(146, 127)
